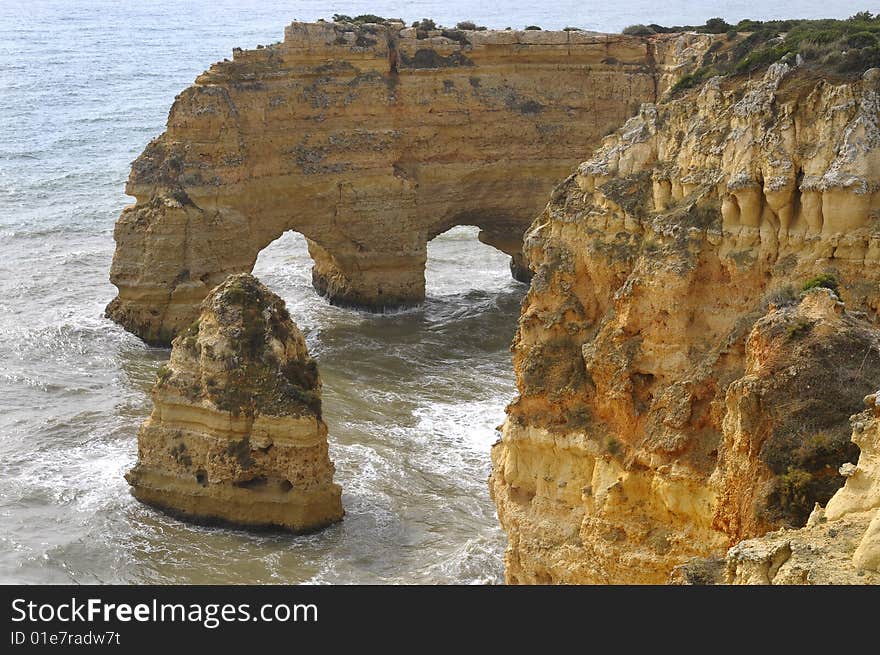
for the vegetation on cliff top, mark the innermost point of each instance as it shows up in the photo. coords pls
(363, 18)
(844, 47)
(712, 26)
(425, 24)
(849, 46)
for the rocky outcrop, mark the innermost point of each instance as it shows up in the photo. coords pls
(236, 433)
(840, 543)
(678, 390)
(370, 140)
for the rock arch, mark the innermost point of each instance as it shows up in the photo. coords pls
(369, 140)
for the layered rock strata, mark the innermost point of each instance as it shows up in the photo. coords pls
(236, 433)
(370, 140)
(678, 391)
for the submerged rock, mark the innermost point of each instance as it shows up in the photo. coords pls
(236, 433)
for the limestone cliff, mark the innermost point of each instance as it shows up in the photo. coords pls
(841, 542)
(236, 432)
(370, 140)
(678, 391)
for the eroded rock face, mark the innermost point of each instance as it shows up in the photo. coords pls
(370, 140)
(236, 432)
(677, 391)
(840, 543)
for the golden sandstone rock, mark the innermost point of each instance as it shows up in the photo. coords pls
(370, 141)
(677, 391)
(236, 433)
(840, 543)
(700, 326)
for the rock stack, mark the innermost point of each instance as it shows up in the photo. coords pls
(236, 433)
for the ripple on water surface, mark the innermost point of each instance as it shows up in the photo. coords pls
(412, 402)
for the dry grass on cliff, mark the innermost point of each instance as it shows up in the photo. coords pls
(835, 370)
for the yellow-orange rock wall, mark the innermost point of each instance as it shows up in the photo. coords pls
(677, 391)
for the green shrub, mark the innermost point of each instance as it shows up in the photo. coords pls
(369, 18)
(794, 493)
(638, 30)
(812, 52)
(759, 59)
(858, 60)
(823, 281)
(686, 82)
(362, 18)
(748, 25)
(749, 44)
(817, 449)
(694, 79)
(716, 26)
(532, 27)
(863, 17)
(709, 56)
(847, 47)
(821, 37)
(469, 25)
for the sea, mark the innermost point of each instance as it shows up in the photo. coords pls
(413, 399)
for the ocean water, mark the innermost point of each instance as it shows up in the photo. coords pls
(412, 399)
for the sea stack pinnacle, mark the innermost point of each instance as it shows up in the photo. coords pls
(236, 433)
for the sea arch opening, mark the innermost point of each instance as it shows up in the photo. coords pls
(285, 266)
(412, 400)
(458, 260)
